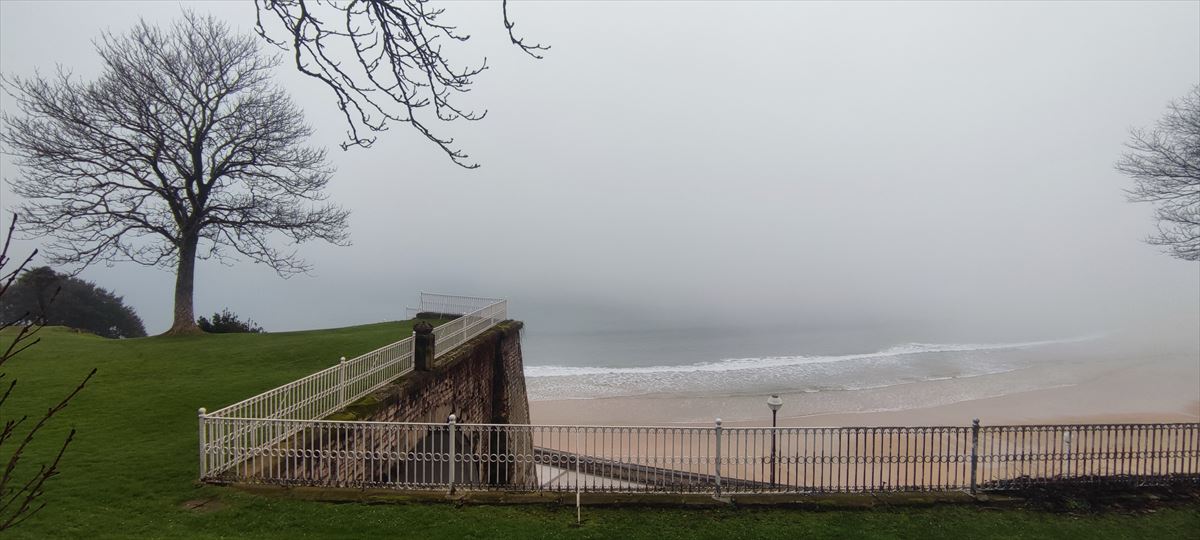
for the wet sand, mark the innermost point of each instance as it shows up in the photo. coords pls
(1151, 392)
(1089, 383)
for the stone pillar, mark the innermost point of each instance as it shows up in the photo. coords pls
(423, 343)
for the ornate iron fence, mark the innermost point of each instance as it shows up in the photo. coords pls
(713, 460)
(1013, 457)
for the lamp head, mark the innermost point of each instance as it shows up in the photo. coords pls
(774, 402)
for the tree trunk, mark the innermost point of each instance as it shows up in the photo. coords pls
(185, 274)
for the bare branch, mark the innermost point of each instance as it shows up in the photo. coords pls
(383, 60)
(530, 48)
(19, 500)
(1165, 166)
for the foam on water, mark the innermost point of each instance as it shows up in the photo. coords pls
(739, 364)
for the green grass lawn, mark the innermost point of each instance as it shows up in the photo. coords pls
(133, 465)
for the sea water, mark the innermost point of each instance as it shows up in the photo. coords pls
(616, 364)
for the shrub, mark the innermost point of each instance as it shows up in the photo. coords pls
(227, 322)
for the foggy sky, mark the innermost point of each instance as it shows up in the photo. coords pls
(690, 163)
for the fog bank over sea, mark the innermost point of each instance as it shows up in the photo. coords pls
(899, 173)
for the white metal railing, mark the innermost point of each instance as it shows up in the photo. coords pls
(453, 304)
(460, 330)
(709, 460)
(327, 391)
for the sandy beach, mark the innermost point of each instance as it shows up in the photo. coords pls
(1160, 390)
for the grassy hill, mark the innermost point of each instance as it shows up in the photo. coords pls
(132, 467)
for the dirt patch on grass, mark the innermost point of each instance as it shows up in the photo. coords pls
(1100, 499)
(203, 506)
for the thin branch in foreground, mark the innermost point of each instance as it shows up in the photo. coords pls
(22, 499)
(384, 62)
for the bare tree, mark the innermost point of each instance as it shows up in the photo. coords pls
(182, 149)
(20, 490)
(383, 60)
(1165, 165)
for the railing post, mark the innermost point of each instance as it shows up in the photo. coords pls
(423, 346)
(203, 452)
(974, 453)
(341, 382)
(1066, 465)
(578, 480)
(717, 462)
(453, 432)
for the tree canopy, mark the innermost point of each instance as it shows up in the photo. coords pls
(46, 297)
(1164, 163)
(181, 149)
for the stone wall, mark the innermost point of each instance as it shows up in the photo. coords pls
(480, 382)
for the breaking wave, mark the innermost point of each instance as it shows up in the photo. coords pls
(741, 364)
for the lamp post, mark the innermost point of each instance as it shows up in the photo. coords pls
(774, 403)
